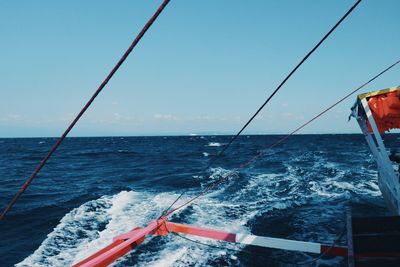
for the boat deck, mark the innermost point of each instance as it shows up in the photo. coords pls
(374, 241)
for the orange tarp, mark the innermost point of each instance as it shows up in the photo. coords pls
(386, 110)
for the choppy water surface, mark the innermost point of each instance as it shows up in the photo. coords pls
(96, 188)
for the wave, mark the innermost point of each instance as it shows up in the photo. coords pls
(234, 207)
(75, 228)
(90, 227)
(214, 144)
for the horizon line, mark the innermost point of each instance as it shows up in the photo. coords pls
(180, 135)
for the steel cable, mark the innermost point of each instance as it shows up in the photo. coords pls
(269, 98)
(96, 93)
(224, 178)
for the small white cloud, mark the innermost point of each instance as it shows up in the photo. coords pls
(292, 116)
(167, 117)
(14, 116)
(203, 118)
(117, 116)
(68, 117)
(11, 117)
(288, 115)
(265, 116)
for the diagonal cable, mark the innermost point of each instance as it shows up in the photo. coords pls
(282, 83)
(218, 156)
(224, 178)
(96, 93)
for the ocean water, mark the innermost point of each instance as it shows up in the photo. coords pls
(96, 188)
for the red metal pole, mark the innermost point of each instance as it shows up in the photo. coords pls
(124, 243)
(121, 246)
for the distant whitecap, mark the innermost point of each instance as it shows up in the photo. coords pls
(214, 144)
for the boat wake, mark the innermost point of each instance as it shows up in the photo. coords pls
(237, 206)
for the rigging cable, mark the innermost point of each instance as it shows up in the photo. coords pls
(224, 178)
(282, 83)
(99, 89)
(270, 97)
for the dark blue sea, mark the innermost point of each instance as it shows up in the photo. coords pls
(93, 189)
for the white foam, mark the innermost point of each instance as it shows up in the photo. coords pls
(168, 258)
(205, 154)
(128, 210)
(214, 144)
(102, 219)
(74, 230)
(209, 213)
(334, 187)
(80, 233)
(323, 191)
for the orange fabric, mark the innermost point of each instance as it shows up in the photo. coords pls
(386, 111)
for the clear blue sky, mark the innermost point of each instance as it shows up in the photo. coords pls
(204, 66)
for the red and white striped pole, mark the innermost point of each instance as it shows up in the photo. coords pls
(122, 244)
